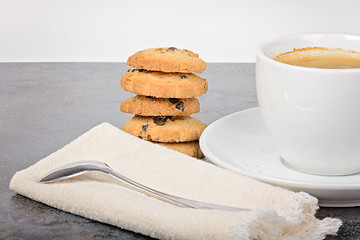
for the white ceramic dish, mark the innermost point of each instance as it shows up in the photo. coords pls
(240, 142)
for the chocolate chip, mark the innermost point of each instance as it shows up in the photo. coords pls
(160, 121)
(183, 76)
(160, 50)
(135, 70)
(180, 106)
(174, 100)
(144, 127)
(172, 49)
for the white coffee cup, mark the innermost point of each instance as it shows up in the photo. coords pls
(312, 114)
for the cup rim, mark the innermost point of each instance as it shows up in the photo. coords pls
(260, 52)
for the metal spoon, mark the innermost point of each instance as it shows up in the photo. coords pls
(76, 168)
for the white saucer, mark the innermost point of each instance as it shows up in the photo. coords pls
(240, 142)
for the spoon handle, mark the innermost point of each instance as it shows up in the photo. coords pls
(79, 167)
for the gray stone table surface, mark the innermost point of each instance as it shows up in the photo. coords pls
(44, 106)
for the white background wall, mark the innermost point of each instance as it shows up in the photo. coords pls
(111, 30)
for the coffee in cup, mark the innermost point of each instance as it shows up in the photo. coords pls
(319, 57)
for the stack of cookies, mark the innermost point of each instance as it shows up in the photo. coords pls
(166, 91)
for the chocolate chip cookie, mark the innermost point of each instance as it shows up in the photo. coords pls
(165, 129)
(163, 85)
(189, 148)
(150, 106)
(167, 59)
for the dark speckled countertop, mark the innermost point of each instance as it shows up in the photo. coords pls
(44, 106)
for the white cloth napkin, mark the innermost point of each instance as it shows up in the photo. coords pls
(277, 213)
